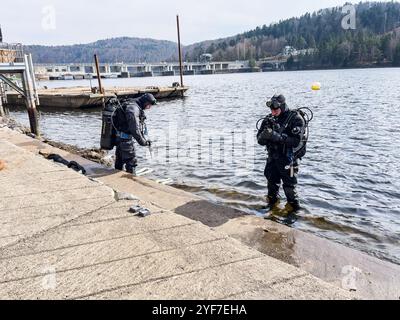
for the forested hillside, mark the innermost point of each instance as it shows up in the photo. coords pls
(376, 39)
(111, 50)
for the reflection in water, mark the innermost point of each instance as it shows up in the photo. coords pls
(349, 180)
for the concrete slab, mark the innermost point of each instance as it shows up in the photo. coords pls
(295, 288)
(71, 235)
(43, 199)
(230, 281)
(20, 189)
(370, 277)
(87, 281)
(99, 252)
(49, 176)
(28, 216)
(8, 240)
(55, 248)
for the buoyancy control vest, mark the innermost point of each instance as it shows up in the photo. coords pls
(300, 151)
(120, 120)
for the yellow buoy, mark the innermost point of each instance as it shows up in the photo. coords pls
(316, 86)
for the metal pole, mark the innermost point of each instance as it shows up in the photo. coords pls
(32, 71)
(101, 89)
(3, 92)
(96, 60)
(2, 113)
(30, 99)
(2, 99)
(180, 50)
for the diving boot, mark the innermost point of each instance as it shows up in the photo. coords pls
(132, 171)
(272, 205)
(293, 206)
(290, 210)
(273, 202)
(290, 219)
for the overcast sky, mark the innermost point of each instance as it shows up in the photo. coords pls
(82, 21)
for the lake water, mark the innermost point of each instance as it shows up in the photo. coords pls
(349, 181)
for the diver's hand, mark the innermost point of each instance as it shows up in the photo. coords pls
(264, 136)
(149, 143)
(276, 137)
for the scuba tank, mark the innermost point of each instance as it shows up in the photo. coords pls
(308, 116)
(108, 134)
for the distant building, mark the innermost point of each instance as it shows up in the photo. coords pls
(206, 57)
(1, 35)
(289, 51)
(306, 51)
(235, 65)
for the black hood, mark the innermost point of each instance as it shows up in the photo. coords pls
(285, 109)
(145, 99)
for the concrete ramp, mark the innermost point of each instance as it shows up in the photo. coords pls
(64, 236)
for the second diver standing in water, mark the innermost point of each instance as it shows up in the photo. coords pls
(284, 133)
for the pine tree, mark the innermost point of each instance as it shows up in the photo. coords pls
(396, 57)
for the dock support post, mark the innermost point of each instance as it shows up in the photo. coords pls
(2, 113)
(180, 51)
(96, 61)
(101, 89)
(34, 85)
(30, 98)
(2, 95)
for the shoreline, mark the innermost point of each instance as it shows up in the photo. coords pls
(239, 71)
(329, 261)
(69, 236)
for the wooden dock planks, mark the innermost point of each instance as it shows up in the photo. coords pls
(80, 97)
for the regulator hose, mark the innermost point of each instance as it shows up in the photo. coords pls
(305, 112)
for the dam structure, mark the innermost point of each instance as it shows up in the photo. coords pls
(77, 71)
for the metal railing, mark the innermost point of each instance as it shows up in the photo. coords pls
(11, 53)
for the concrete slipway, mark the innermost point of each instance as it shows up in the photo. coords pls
(65, 236)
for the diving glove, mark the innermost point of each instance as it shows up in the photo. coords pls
(276, 137)
(272, 136)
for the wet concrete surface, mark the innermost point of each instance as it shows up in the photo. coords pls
(332, 262)
(346, 268)
(64, 236)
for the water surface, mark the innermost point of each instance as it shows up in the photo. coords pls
(205, 143)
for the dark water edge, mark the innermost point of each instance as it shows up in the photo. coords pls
(349, 181)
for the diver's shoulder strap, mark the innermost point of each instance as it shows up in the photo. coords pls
(289, 119)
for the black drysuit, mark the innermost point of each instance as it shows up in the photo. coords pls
(282, 166)
(129, 121)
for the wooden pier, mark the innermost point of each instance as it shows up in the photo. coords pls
(14, 63)
(81, 97)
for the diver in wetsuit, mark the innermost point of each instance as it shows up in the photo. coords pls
(129, 122)
(282, 133)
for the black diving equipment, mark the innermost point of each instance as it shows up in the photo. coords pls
(108, 132)
(271, 127)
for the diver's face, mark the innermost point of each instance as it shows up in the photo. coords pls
(147, 106)
(276, 112)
